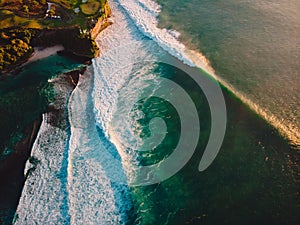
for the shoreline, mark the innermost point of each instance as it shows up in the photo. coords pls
(53, 109)
(54, 131)
(24, 147)
(41, 53)
(46, 41)
(13, 169)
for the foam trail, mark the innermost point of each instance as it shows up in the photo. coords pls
(94, 197)
(74, 180)
(44, 199)
(144, 15)
(113, 68)
(113, 71)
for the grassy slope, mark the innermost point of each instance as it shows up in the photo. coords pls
(16, 45)
(21, 101)
(73, 14)
(34, 17)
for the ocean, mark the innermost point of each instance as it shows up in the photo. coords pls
(150, 143)
(254, 48)
(22, 100)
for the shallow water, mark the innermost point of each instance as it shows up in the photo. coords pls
(253, 180)
(23, 98)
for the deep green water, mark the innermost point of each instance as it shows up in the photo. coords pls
(255, 177)
(253, 45)
(251, 181)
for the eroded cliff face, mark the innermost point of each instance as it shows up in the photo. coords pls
(76, 40)
(82, 43)
(102, 22)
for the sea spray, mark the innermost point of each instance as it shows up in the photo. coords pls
(144, 14)
(45, 197)
(94, 197)
(124, 49)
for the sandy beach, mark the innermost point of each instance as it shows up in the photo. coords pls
(41, 53)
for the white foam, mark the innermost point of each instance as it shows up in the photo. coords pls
(147, 23)
(85, 193)
(141, 13)
(44, 198)
(150, 5)
(113, 71)
(121, 45)
(93, 196)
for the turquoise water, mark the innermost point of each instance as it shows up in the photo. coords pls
(252, 45)
(250, 182)
(23, 98)
(254, 178)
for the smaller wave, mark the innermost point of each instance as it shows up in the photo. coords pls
(94, 196)
(147, 23)
(44, 198)
(141, 12)
(149, 6)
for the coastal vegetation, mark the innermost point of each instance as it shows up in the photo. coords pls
(25, 92)
(15, 46)
(34, 26)
(41, 23)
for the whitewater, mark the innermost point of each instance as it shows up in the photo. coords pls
(80, 178)
(144, 15)
(75, 181)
